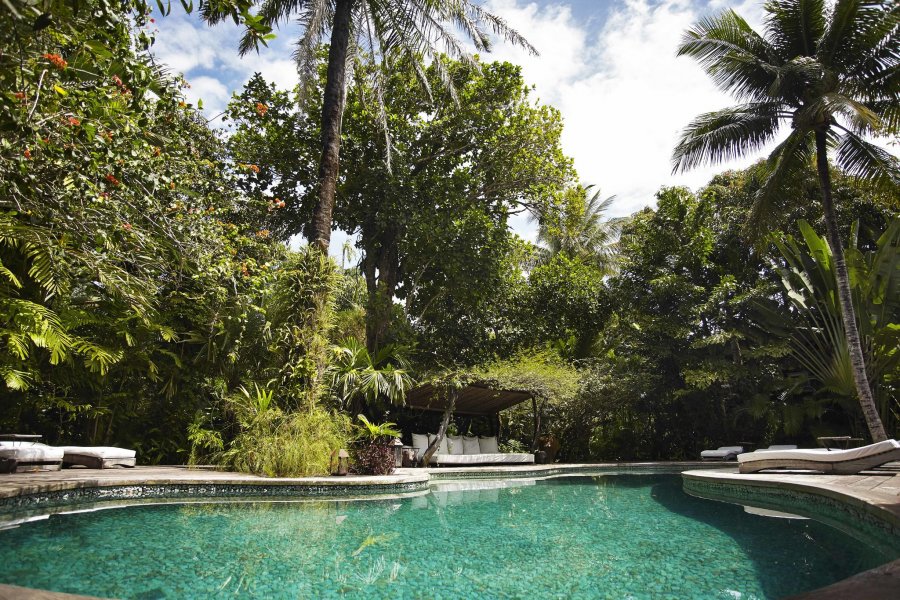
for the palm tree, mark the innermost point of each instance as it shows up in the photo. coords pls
(833, 74)
(382, 28)
(582, 230)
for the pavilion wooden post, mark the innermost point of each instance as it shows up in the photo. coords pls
(433, 446)
(537, 422)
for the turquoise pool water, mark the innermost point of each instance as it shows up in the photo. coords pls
(614, 536)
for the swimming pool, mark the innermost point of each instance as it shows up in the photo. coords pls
(606, 536)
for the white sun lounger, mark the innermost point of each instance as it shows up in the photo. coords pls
(722, 453)
(97, 457)
(849, 461)
(29, 456)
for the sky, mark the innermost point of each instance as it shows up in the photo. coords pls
(609, 66)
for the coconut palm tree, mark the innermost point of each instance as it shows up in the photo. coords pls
(380, 29)
(582, 230)
(832, 73)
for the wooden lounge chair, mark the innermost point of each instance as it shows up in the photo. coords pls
(844, 462)
(722, 453)
(16, 456)
(97, 457)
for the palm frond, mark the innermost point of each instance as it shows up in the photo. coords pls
(795, 26)
(314, 20)
(736, 58)
(861, 37)
(726, 134)
(785, 162)
(867, 161)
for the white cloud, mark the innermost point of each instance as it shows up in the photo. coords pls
(213, 92)
(621, 90)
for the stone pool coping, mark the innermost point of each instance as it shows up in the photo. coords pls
(864, 504)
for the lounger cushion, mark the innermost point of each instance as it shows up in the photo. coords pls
(822, 455)
(104, 452)
(456, 444)
(488, 445)
(722, 452)
(29, 452)
(470, 445)
(482, 459)
(779, 447)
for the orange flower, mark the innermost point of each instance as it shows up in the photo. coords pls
(261, 109)
(19, 95)
(253, 168)
(112, 179)
(171, 185)
(126, 226)
(56, 60)
(156, 151)
(262, 233)
(74, 121)
(27, 153)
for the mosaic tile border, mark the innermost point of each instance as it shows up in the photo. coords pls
(852, 516)
(140, 491)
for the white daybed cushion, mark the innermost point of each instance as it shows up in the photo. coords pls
(475, 459)
(104, 452)
(470, 445)
(25, 452)
(822, 454)
(420, 443)
(488, 445)
(721, 452)
(456, 444)
(443, 447)
(778, 447)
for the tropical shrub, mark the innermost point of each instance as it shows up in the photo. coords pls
(373, 454)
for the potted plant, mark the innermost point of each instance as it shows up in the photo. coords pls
(374, 452)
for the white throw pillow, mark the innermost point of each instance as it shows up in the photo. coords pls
(470, 445)
(420, 443)
(456, 444)
(489, 445)
(443, 447)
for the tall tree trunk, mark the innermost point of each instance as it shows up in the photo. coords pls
(332, 114)
(445, 421)
(381, 296)
(857, 359)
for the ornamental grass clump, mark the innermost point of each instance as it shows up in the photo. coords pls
(270, 441)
